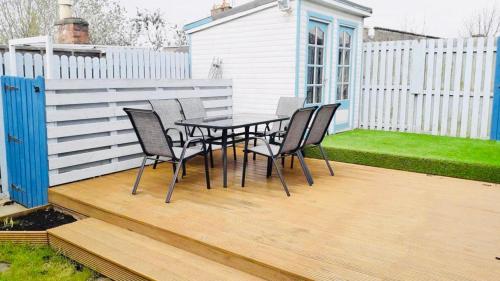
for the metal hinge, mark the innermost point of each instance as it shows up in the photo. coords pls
(14, 139)
(16, 187)
(9, 88)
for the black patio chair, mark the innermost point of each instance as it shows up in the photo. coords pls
(155, 141)
(291, 145)
(286, 107)
(193, 108)
(319, 129)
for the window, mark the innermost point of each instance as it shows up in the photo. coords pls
(315, 62)
(344, 65)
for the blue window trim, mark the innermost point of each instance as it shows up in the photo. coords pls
(318, 16)
(328, 20)
(495, 117)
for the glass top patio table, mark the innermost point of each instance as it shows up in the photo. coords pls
(231, 122)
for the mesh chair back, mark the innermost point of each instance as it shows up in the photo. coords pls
(169, 112)
(320, 124)
(150, 132)
(297, 129)
(286, 107)
(193, 108)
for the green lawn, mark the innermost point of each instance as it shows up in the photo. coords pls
(455, 157)
(39, 263)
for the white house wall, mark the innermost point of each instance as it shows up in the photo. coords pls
(337, 16)
(258, 53)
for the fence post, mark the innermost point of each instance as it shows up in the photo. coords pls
(3, 148)
(495, 117)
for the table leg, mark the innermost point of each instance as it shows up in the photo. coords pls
(224, 157)
(245, 155)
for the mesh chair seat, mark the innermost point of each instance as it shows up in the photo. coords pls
(263, 150)
(190, 152)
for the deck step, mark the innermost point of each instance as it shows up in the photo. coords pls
(121, 254)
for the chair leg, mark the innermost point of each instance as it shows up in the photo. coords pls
(305, 168)
(326, 160)
(174, 180)
(234, 150)
(269, 167)
(245, 163)
(207, 173)
(211, 156)
(139, 175)
(283, 161)
(293, 160)
(174, 167)
(184, 169)
(285, 187)
(156, 162)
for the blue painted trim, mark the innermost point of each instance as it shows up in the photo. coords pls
(297, 46)
(348, 23)
(198, 23)
(315, 15)
(495, 117)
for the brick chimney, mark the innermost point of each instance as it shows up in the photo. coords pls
(217, 9)
(70, 30)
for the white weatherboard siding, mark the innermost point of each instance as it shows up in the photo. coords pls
(331, 62)
(258, 53)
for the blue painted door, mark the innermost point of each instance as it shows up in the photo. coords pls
(26, 139)
(315, 67)
(344, 90)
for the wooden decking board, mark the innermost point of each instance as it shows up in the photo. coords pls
(140, 255)
(363, 224)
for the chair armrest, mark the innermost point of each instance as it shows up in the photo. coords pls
(178, 131)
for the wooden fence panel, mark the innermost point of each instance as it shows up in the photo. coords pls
(117, 64)
(440, 87)
(88, 131)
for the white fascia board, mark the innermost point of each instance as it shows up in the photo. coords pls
(232, 17)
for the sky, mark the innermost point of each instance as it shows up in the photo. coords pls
(443, 18)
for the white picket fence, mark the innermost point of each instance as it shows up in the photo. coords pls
(90, 135)
(439, 87)
(118, 63)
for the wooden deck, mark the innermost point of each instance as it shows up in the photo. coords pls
(363, 224)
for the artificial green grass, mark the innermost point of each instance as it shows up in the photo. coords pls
(436, 155)
(39, 263)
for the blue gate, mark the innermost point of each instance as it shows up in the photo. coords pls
(25, 139)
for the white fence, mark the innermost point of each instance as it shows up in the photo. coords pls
(440, 87)
(88, 132)
(118, 63)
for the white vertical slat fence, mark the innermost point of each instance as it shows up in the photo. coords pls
(118, 63)
(440, 87)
